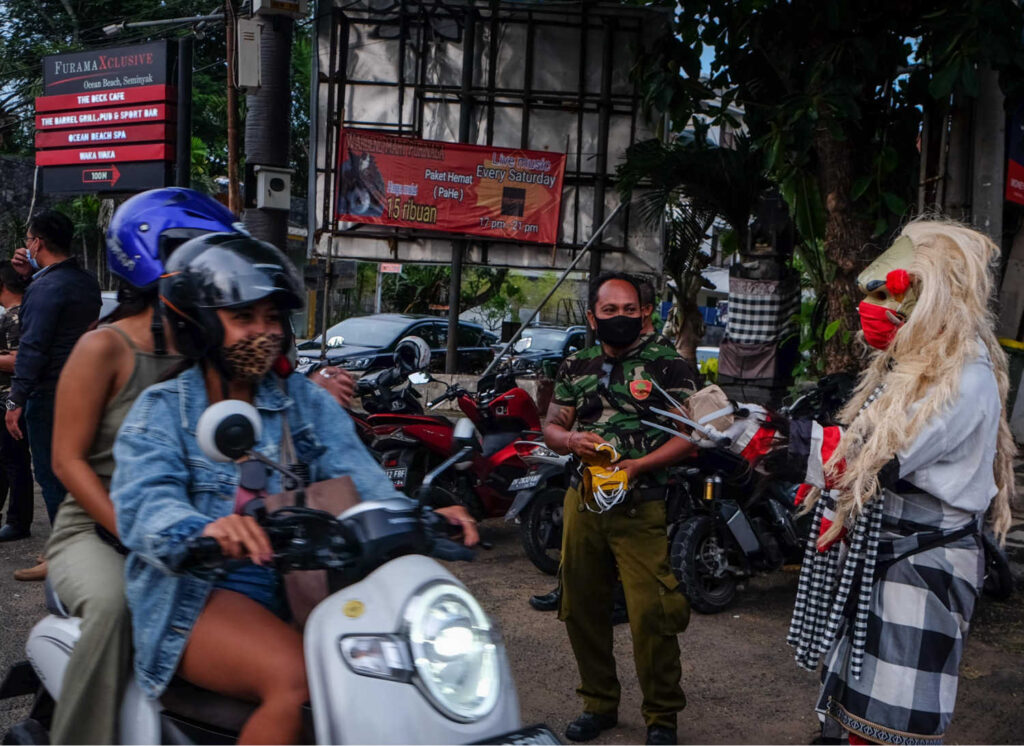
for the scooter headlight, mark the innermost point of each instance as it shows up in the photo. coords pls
(454, 651)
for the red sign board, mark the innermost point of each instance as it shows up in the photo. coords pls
(72, 101)
(105, 107)
(156, 151)
(102, 117)
(105, 136)
(452, 187)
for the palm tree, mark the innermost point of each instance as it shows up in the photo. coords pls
(691, 183)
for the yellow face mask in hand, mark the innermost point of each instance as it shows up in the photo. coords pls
(604, 485)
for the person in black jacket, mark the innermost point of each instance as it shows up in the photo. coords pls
(61, 303)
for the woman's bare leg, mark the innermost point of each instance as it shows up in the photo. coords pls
(240, 649)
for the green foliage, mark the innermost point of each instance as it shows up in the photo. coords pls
(833, 95)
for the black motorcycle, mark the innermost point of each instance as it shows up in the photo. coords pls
(728, 522)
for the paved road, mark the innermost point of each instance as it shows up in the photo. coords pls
(742, 684)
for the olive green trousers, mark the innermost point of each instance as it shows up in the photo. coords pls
(632, 538)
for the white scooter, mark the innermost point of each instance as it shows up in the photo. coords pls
(399, 652)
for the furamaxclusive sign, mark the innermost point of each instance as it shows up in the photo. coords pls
(105, 121)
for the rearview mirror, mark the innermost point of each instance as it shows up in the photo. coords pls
(336, 341)
(228, 430)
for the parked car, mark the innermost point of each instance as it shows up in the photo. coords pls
(547, 347)
(108, 302)
(366, 343)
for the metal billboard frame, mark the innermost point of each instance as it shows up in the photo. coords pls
(399, 66)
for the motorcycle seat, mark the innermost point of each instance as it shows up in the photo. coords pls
(211, 711)
(53, 602)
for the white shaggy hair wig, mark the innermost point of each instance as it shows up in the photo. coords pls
(952, 272)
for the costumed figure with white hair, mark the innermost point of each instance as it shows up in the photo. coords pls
(900, 494)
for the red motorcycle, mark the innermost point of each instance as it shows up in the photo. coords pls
(411, 445)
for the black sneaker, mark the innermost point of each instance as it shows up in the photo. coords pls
(547, 601)
(10, 532)
(589, 725)
(662, 734)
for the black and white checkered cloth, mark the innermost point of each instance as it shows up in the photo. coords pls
(762, 310)
(929, 570)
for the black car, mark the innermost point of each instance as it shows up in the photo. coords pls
(366, 343)
(547, 347)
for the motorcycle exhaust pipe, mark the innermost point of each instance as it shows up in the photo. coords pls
(739, 526)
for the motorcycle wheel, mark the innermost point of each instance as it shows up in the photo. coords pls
(998, 576)
(26, 731)
(541, 529)
(695, 554)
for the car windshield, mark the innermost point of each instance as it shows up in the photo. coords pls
(365, 331)
(548, 340)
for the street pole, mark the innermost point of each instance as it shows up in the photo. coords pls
(234, 193)
(603, 128)
(268, 125)
(183, 150)
(460, 246)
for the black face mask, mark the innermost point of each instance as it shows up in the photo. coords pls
(619, 331)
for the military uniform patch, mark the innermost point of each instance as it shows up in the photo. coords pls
(640, 389)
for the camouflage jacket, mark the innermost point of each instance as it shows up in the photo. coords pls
(612, 395)
(10, 335)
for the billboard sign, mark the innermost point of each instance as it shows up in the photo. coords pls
(1015, 161)
(450, 187)
(106, 120)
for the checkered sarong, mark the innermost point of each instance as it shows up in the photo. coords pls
(921, 596)
(761, 310)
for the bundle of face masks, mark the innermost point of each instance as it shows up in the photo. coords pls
(604, 485)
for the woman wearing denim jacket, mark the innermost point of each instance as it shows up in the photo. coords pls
(229, 298)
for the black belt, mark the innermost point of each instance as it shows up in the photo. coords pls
(648, 494)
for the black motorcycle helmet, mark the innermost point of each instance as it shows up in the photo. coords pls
(220, 271)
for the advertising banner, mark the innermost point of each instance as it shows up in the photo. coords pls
(1015, 162)
(449, 187)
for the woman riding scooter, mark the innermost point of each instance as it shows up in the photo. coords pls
(229, 299)
(108, 368)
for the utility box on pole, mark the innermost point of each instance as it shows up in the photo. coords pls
(249, 58)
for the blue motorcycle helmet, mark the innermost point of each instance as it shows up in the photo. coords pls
(147, 227)
(143, 232)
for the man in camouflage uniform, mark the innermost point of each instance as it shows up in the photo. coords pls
(15, 462)
(605, 391)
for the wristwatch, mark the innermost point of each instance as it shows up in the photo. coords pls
(11, 405)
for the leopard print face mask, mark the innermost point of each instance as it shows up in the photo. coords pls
(249, 359)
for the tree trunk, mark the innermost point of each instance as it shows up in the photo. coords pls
(846, 239)
(688, 324)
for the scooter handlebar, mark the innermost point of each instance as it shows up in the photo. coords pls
(200, 552)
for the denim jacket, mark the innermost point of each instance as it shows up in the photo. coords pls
(165, 491)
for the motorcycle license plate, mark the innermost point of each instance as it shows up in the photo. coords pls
(397, 475)
(524, 483)
(540, 734)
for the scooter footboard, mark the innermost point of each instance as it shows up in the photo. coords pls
(389, 704)
(49, 647)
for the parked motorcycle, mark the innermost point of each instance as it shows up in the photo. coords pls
(728, 520)
(539, 495)
(398, 652)
(503, 412)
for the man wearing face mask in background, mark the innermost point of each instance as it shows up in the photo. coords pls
(59, 306)
(605, 391)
